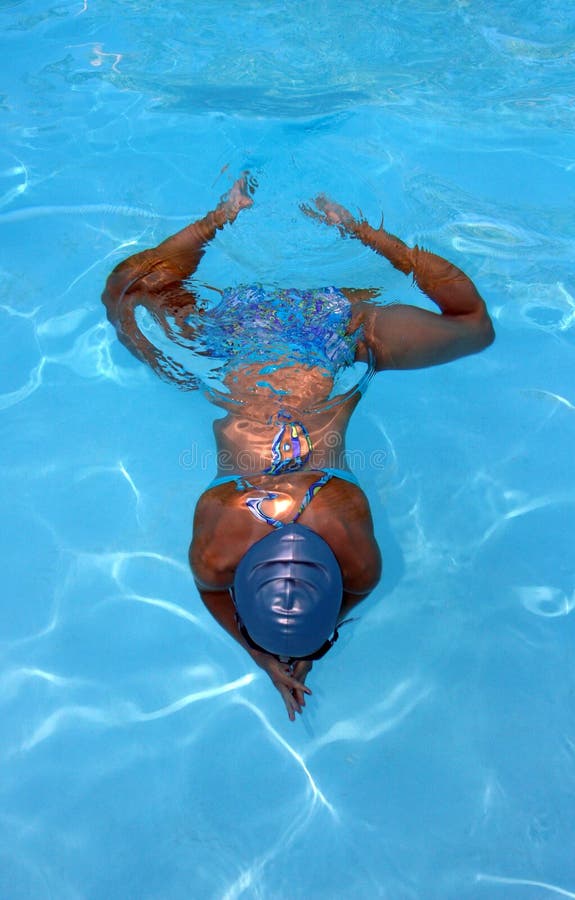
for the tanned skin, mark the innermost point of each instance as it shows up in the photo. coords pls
(396, 337)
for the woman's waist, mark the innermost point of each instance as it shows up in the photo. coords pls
(296, 453)
(288, 439)
(283, 480)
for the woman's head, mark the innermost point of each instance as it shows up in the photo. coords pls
(288, 592)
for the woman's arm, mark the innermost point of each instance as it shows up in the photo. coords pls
(290, 683)
(403, 336)
(153, 278)
(177, 258)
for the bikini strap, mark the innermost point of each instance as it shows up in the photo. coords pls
(312, 492)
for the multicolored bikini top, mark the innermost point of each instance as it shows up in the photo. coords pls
(291, 447)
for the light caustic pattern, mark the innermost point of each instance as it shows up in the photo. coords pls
(142, 754)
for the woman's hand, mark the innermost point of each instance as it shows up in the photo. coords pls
(289, 680)
(300, 672)
(325, 210)
(237, 198)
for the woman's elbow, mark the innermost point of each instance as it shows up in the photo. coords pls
(487, 333)
(483, 333)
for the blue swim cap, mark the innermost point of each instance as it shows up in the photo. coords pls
(288, 591)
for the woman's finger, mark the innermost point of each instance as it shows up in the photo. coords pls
(296, 685)
(300, 696)
(311, 212)
(290, 701)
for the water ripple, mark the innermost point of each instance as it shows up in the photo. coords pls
(122, 714)
(297, 825)
(526, 882)
(385, 716)
(546, 601)
(87, 209)
(33, 383)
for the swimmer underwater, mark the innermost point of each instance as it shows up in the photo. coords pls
(283, 544)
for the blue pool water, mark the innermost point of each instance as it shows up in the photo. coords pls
(142, 756)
